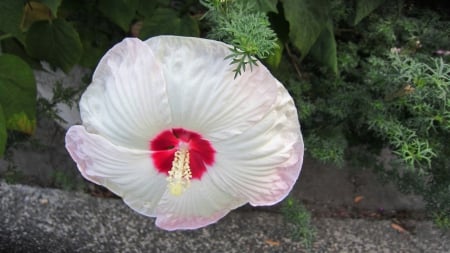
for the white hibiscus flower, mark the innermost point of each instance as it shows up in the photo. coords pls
(168, 128)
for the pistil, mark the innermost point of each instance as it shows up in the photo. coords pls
(180, 174)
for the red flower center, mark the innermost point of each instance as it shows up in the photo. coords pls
(168, 142)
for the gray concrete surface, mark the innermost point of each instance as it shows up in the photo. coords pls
(49, 220)
(328, 186)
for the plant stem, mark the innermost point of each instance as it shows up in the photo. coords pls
(6, 36)
(292, 57)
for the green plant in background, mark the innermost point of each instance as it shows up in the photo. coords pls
(296, 214)
(415, 121)
(442, 220)
(66, 181)
(244, 25)
(391, 91)
(12, 175)
(66, 95)
(418, 110)
(17, 97)
(69, 32)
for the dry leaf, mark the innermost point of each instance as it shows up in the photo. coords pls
(398, 228)
(408, 89)
(358, 199)
(43, 201)
(272, 242)
(136, 28)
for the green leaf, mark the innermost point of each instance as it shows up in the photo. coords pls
(306, 18)
(273, 61)
(166, 21)
(56, 42)
(22, 123)
(364, 8)
(33, 12)
(120, 12)
(53, 5)
(11, 16)
(15, 47)
(146, 8)
(3, 135)
(17, 94)
(324, 50)
(267, 5)
(91, 55)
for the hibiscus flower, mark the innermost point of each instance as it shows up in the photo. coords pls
(168, 128)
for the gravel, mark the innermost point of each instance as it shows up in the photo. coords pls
(49, 220)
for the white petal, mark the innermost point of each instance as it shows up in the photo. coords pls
(203, 94)
(202, 203)
(264, 162)
(127, 101)
(128, 173)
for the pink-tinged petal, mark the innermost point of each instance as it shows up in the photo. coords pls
(264, 162)
(202, 203)
(127, 172)
(203, 94)
(127, 101)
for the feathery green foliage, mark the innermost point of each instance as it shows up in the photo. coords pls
(243, 26)
(300, 218)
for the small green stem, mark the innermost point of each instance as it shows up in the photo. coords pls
(5, 36)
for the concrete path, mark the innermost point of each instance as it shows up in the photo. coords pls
(49, 220)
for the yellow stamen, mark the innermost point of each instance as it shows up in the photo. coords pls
(180, 174)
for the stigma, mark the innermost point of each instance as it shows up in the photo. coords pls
(180, 174)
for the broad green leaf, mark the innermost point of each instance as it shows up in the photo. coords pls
(120, 12)
(56, 42)
(267, 5)
(11, 16)
(76, 7)
(91, 55)
(306, 18)
(324, 50)
(364, 8)
(146, 8)
(53, 5)
(15, 47)
(166, 21)
(17, 94)
(3, 134)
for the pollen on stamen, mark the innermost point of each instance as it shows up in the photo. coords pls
(180, 174)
